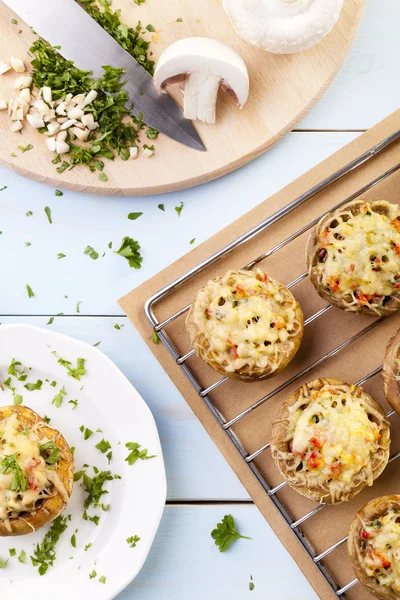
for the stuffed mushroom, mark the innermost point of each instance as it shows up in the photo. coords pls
(330, 440)
(245, 325)
(36, 471)
(353, 257)
(374, 546)
(391, 372)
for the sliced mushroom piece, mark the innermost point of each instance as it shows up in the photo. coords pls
(391, 372)
(283, 26)
(206, 65)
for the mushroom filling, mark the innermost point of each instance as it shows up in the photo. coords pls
(380, 545)
(28, 475)
(333, 435)
(248, 319)
(358, 257)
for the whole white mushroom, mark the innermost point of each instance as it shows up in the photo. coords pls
(283, 26)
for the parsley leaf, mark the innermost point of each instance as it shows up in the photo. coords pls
(91, 252)
(8, 464)
(73, 541)
(130, 250)
(4, 563)
(102, 579)
(192, 241)
(58, 193)
(132, 541)
(22, 557)
(34, 386)
(179, 209)
(29, 213)
(16, 369)
(74, 403)
(161, 207)
(58, 398)
(87, 433)
(134, 215)
(155, 337)
(93, 574)
(61, 255)
(44, 554)
(251, 584)
(76, 372)
(118, 327)
(30, 291)
(136, 453)
(50, 321)
(50, 452)
(226, 533)
(48, 214)
(26, 149)
(12, 551)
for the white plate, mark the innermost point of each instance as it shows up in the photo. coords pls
(109, 402)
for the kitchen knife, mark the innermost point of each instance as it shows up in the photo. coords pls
(64, 23)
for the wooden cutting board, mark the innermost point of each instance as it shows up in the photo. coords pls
(283, 89)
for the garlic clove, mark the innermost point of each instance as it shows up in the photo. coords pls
(4, 67)
(17, 64)
(62, 147)
(16, 126)
(22, 82)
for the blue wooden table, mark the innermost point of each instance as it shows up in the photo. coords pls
(184, 564)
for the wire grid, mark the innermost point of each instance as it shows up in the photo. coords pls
(204, 393)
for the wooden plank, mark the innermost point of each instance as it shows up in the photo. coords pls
(79, 221)
(195, 468)
(283, 89)
(184, 562)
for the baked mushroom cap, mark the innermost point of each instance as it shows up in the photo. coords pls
(391, 372)
(374, 547)
(330, 440)
(353, 257)
(44, 509)
(245, 325)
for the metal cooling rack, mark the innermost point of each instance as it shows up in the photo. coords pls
(204, 393)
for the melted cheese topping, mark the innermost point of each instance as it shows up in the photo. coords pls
(248, 319)
(380, 540)
(360, 256)
(40, 480)
(332, 436)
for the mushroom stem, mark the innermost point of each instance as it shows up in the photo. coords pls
(201, 93)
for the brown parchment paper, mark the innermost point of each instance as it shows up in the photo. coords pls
(332, 523)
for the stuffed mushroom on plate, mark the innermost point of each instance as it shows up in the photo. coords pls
(36, 471)
(245, 325)
(353, 257)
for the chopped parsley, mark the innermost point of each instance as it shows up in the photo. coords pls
(29, 213)
(58, 398)
(192, 241)
(91, 252)
(12, 551)
(4, 563)
(50, 452)
(8, 464)
(50, 321)
(30, 291)
(251, 584)
(118, 327)
(93, 574)
(134, 215)
(226, 533)
(44, 554)
(22, 557)
(130, 250)
(132, 541)
(78, 310)
(16, 369)
(26, 149)
(76, 372)
(103, 177)
(102, 579)
(88, 546)
(97, 344)
(87, 433)
(73, 540)
(103, 446)
(74, 403)
(136, 453)
(61, 255)
(179, 209)
(94, 488)
(17, 398)
(28, 244)
(161, 207)
(58, 193)
(48, 214)
(34, 386)
(155, 337)
(3, 188)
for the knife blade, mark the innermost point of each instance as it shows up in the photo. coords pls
(64, 23)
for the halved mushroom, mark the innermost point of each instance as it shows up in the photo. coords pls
(283, 26)
(206, 65)
(391, 372)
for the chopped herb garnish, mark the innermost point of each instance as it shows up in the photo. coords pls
(103, 446)
(93, 574)
(87, 433)
(136, 453)
(118, 327)
(12, 551)
(78, 310)
(28, 244)
(26, 149)
(3, 188)
(73, 541)
(251, 584)
(50, 452)
(192, 241)
(46, 419)
(132, 541)
(8, 464)
(102, 579)
(58, 193)
(103, 177)
(155, 337)
(61, 255)
(91, 252)
(74, 403)
(58, 398)
(179, 209)
(88, 546)
(161, 207)
(134, 215)
(94, 488)
(76, 372)
(16, 369)
(44, 554)
(48, 214)
(17, 398)
(34, 386)
(4, 563)
(30, 291)
(14, 21)
(226, 533)
(22, 557)
(97, 344)
(109, 456)
(130, 250)
(29, 213)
